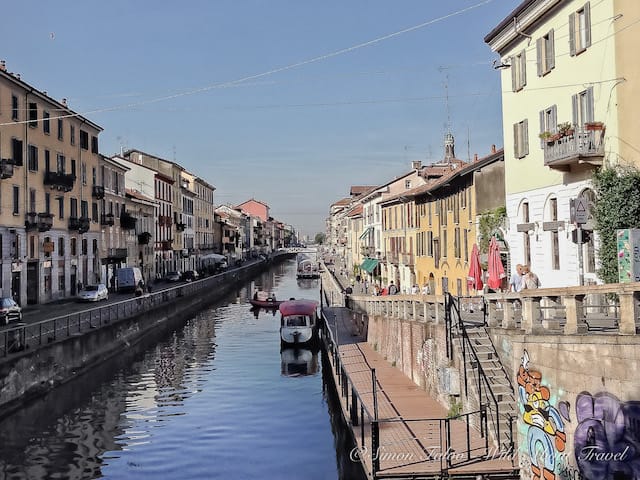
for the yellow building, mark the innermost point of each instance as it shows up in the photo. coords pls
(50, 185)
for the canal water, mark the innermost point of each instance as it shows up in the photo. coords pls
(214, 399)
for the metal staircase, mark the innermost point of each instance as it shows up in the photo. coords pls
(485, 381)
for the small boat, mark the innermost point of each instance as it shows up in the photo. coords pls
(299, 322)
(265, 300)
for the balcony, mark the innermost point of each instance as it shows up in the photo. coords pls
(164, 221)
(166, 245)
(106, 219)
(117, 254)
(74, 223)
(83, 224)
(97, 192)
(45, 222)
(60, 181)
(181, 226)
(127, 221)
(407, 259)
(584, 146)
(6, 168)
(143, 238)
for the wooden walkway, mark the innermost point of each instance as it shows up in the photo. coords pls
(413, 427)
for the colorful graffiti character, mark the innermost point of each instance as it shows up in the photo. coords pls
(545, 433)
(607, 437)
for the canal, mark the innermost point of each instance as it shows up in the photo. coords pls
(213, 399)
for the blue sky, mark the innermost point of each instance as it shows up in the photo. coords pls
(222, 87)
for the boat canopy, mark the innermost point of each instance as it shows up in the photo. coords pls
(298, 307)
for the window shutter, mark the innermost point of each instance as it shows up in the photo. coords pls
(587, 24)
(516, 152)
(590, 102)
(554, 118)
(574, 103)
(572, 34)
(512, 61)
(551, 52)
(523, 68)
(525, 137)
(539, 53)
(543, 128)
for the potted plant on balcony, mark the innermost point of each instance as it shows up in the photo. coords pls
(593, 126)
(565, 129)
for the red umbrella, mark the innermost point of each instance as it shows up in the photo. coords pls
(495, 268)
(474, 279)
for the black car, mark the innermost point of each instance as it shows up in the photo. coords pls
(190, 276)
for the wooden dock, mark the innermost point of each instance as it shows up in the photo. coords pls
(401, 432)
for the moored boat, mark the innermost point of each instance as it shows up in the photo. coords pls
(265, 300)
(299, 322)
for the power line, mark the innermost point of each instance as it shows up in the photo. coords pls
(272, 71)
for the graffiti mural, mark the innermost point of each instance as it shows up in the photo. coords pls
(607, 437)
(546, 437)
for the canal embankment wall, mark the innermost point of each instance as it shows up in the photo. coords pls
(55, 359)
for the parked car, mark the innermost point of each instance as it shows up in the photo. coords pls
(173, 277)
(93, 293)
(190, 275)
(129, 278)
(9, 310)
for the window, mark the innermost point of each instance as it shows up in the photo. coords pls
(94, 176)
(525, 235)
(84, 140)
(407, 184)
(61, 246)
(445, 244)
(548, 122)
(583, 107)
(84, 246)
(14, 108)
(580, 30)
(73, 207)
(555, 241)
(16, 151)
(545, 50)
(33, 114)
(16, 200)
(46, 123)
(518, 71)
(84, 209)
(60, 163)
(60, 129)
(60, 207)
(32, 200)
(94, 212)
(521, 139)
(47, 161)
(47, 202)
(94, 144)
(32, 158)
(73, 167)
(83, 173)
(456, 243)
(73, 246)
(72, 134)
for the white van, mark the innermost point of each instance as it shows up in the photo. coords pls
(128, 279)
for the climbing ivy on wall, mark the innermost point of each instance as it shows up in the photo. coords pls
(489, 223)
(617, 206)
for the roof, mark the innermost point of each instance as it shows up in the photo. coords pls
(298, 307)
(448, 177)
(132, 150)
(356, 210)
(252, 200)
(138, 196)
(355, 191)
(341, 202)
(508, 20)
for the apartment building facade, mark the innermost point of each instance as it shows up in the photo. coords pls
(561, 120)
(49, 241)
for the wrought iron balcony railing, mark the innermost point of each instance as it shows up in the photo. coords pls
(60, 181)
(582, 146)
(127, 221)
(97, 192)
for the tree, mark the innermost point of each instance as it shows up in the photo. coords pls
(617, 206)
(320, 238)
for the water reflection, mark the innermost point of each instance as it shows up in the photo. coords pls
(267, 311)
(176, 403)
(296, 362)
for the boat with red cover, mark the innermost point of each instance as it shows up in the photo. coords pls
(299, 322)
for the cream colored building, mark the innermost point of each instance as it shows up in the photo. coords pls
(561, 88)
(203, 217)
(48, 170)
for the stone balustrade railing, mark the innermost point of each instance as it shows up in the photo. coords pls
(567, 310)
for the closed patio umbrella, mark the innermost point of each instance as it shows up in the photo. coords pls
(474, 278)
(495, 268)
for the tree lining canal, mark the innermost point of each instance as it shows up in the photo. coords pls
(209, 400)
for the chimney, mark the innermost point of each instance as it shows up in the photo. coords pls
(3, 66)
(449, 152)
(416, 164)
(493, 149)
(64, 102)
